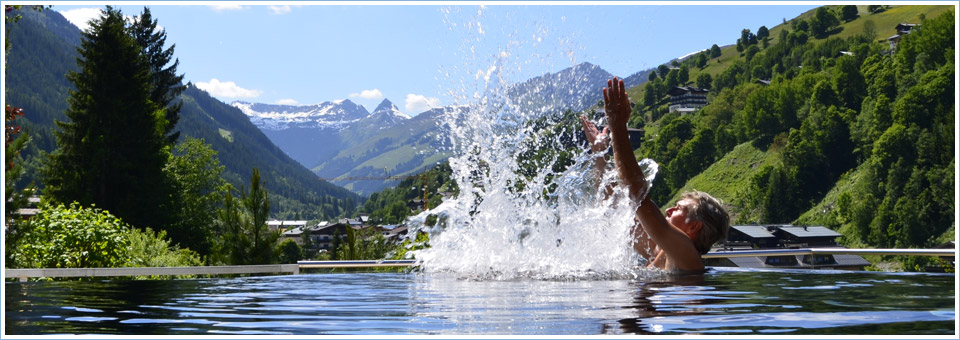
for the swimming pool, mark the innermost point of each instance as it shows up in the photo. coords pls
(722, 301)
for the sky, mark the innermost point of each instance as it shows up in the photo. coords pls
(425, 54)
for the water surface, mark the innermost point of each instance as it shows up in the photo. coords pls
(723, 301)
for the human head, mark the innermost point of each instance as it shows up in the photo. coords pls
(713, 218)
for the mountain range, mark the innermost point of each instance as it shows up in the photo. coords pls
(43, 48)
(343, 142)
(337, 140)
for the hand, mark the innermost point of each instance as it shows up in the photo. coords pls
(616, 103)
(599, 141)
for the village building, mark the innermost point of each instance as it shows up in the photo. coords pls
(765, 237)
(902, 30)
(687, 99)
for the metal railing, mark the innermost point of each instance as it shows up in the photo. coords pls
(357, 264)
(830, 251)
(24, 274)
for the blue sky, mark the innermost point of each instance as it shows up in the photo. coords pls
(428, 54)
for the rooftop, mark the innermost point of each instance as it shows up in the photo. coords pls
(814, 231)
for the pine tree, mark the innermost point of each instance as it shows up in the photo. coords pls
(167, 85)
(111, 152)
(257, 204)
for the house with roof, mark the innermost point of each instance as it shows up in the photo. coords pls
(902, 30)
(763, 237)
(687, 99)
(396, 234)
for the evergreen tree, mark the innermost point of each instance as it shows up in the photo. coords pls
(823, 22)
(702, 60)
(715, 51)
(763, 32)
(111, 153)
(704, 80)
(167, 85)
(849, 12)
(257, 205)
(683, 76)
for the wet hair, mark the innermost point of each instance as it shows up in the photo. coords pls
(715, 221)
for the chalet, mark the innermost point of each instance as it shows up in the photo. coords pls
(761, 237)
(295, 234)
(416, 204)
(902, 29)
(687, 99)
(355, 223)
(322, 237)
(396, 233)
(804, 236)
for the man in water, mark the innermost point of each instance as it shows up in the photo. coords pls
(685, 231)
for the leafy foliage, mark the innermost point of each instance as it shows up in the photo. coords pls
(79, 237)
(390, 206)
(153, 249)
(199, 187)
(72, 237)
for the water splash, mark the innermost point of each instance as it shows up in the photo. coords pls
(513, 217)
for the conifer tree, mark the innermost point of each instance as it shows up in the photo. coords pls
(111, 151)
(257, 204)
(166, 84)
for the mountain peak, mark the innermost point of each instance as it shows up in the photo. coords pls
(385, 105)
(386, 108)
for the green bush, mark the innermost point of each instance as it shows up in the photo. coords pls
(150, 249)
(72, 237)
(289, 251)
(79, 237)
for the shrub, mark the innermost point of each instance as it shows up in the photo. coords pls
(150, 249)
(72, 237)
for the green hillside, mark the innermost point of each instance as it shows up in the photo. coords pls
(729, 177)
(848, 134)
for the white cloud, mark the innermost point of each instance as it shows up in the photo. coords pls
(227, 89)
(368, 94)
(287, 102)
(282, 9)
(416, 103)
(80, 16)
(225, 7)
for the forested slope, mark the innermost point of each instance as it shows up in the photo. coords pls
(857, 137)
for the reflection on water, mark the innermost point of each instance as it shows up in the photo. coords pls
(722, 301)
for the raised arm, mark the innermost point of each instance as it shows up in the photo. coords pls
(599, 142)
(677, 246)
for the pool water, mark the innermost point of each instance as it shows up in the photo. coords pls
(722, 301)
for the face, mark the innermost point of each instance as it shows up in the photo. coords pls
(679, 216)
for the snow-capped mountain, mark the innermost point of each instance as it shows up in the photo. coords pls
(385, 116)
(335, 115)
(340, 139)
